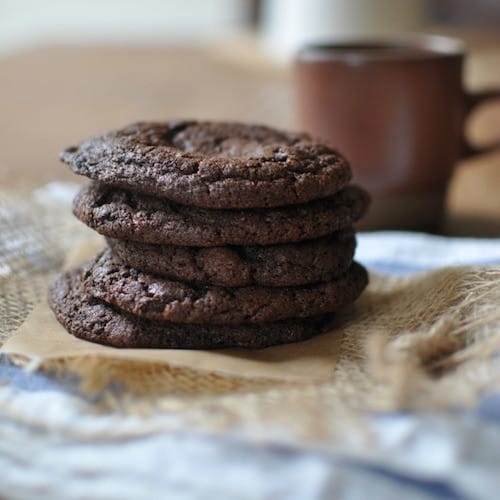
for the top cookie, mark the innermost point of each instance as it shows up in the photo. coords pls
(212, 165)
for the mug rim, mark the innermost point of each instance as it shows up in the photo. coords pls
(386, 48)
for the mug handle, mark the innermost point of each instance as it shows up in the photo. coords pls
(471, 102)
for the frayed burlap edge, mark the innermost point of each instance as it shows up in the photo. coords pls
(446, 361)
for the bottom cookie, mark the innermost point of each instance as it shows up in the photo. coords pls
(90, 319)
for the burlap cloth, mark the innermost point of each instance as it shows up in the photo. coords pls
(424, 341)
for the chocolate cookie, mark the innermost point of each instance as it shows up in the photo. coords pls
(290, 264)
(90, 319)
(132, 216)
(212, 165)
(147, 296)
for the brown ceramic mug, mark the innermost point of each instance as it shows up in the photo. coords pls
(396, 110)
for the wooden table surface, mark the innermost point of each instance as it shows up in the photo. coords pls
(54, 96)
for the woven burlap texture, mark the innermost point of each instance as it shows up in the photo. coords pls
(417, 342)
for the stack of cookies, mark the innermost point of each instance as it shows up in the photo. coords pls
(219, 234)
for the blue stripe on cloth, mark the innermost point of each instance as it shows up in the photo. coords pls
(438, 489)
(37, 380)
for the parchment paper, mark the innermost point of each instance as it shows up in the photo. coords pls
(41, 338)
